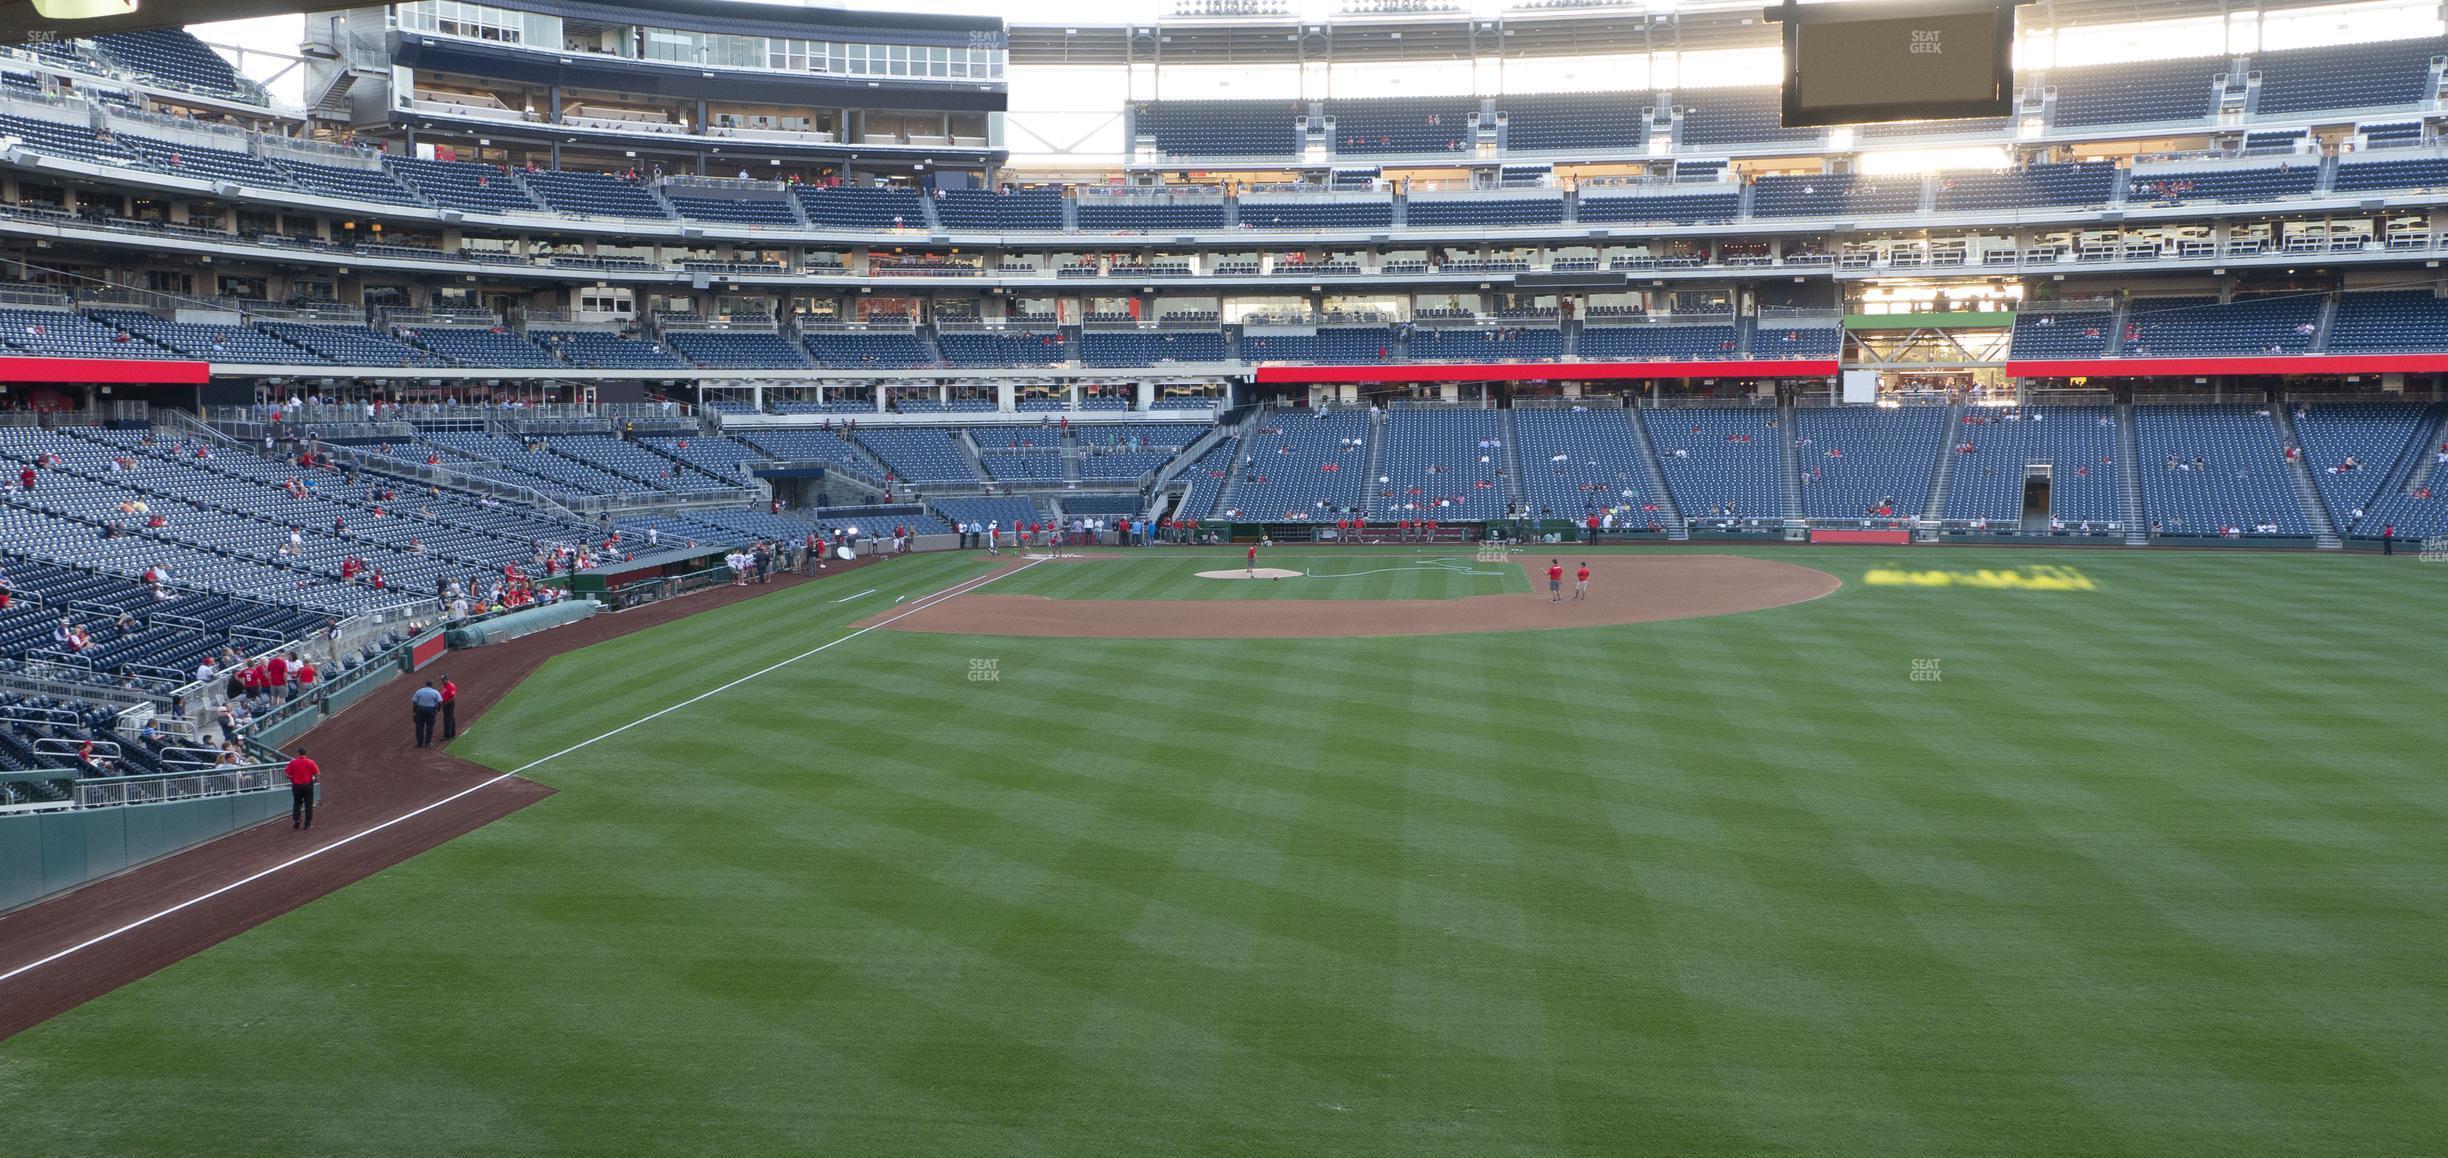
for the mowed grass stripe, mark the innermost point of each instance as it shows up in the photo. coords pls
(1735, 885)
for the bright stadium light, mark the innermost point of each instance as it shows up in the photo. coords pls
(1896, 161)
(82, 9)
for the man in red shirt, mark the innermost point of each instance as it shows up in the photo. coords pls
(1555, 580)
(302, 773)
(1581, 582)
(1253, 561)
(276, 678)
(450, 709)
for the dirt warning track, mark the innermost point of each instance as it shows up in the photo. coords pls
(1623, 589)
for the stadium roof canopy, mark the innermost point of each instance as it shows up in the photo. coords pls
(1689, 25)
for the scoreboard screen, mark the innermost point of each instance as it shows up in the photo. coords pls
(1921, 60)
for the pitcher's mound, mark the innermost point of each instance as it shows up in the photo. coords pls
(1245, 573)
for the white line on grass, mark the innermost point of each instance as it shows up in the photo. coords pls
(961, 588)
(860, 595)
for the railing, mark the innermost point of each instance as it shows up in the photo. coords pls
(231, 780)
(735, 184)
(40, 299)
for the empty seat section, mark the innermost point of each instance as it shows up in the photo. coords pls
(471, 346)
(923, 455)
(1575, 464)
(1721, 462)
(2077, 443)
(1660, 343)
(2346, 76)
(463, 185)
(1303, 466)
(1327, 345)
(1577, 122)
(736, 350)
(1433, 211)
(986, 210)
(1445, 465)
(2079, 183)
(1734, 116)
(766, 211)
(2137, 92)
(2199, 327)
(1261, 128)
(1339, 214)
(1487, 344)
(350, 345)
(2256, 184)
(2209, 467)
(67, 334)
(1679, 208)
(861, 207)
(1115, 214)
(884, 350)
(1856, 460)
(1150, 347)
(595, 194)
(1382, 126)
(1835, 195)
(597, 349)
(1005, 347)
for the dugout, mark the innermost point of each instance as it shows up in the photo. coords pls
(671, 563)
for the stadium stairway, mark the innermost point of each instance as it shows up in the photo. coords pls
(1944, 472)
(1070, 457)
(1792, 459)
(1669, 515)
(2307, 492)
(1372, 499)
(2320, 336)
(1232, 474)
(2129, 476)
(1512, 459)
(2425, 462)
(969, 450)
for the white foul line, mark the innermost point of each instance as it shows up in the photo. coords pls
(860, 595)
(960, 588)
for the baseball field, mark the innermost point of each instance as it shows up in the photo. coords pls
(1836, 851)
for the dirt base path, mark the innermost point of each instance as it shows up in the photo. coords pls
(1623, 589)
(372, 774)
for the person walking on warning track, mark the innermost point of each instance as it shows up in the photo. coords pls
(1253, 561)
(425, 704)
(450, 709)
(302, 774)
(1581, 582)
(1555, 580)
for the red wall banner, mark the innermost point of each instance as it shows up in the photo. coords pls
(1542, 371)
(114, 371)
(1887, 538)
(2202, 367)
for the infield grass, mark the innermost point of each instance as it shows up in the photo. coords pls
(1357, 573)
(2157, 868)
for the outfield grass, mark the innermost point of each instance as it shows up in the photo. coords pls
(2153, 869)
